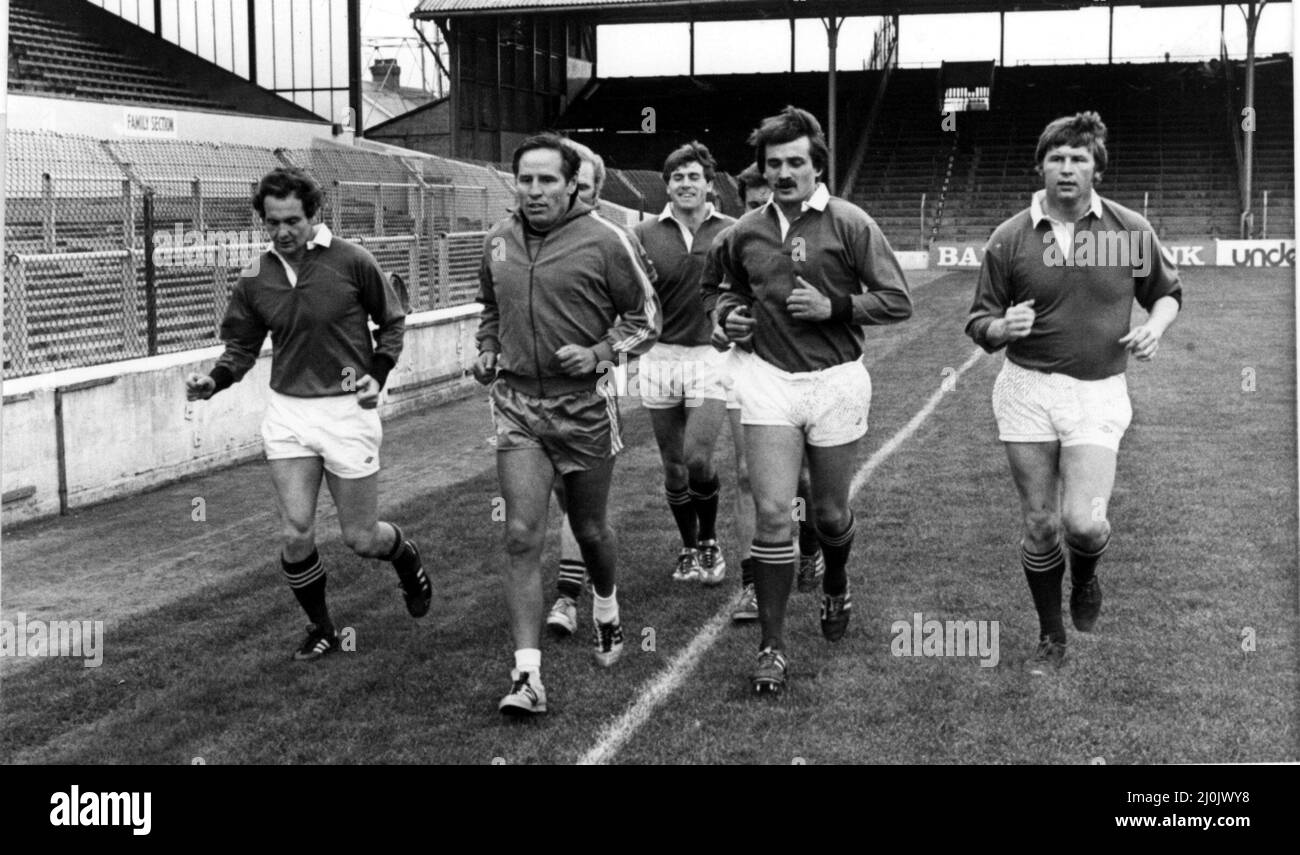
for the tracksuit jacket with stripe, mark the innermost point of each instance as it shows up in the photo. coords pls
(582, 283)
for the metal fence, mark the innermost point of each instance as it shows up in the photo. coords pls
(121, 249)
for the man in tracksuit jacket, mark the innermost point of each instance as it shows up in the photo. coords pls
(564, 295)
(799, 278)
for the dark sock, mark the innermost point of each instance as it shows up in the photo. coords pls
(679, 502)
(572, 574)
(403, 555)
(1044, 573)
(307, 579)
(774, 565)
(807, 538)
(704, 499)
(747, 571)
(1083, 565)
(835, 551)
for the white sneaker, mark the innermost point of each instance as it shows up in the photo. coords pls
(527, 695)
(747, 606)
(609, 642)
(563, 618)
(713, 567)
(688, 566)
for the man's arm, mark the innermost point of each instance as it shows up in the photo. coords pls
(243, 332)
(640, 317)
(887, 299)
(489, 324)
(1143, 340)
(724, 283)
(384, 306)
(988, 324)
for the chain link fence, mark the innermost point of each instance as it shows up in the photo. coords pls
(121, 249)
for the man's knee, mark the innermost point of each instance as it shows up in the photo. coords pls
(1086, 531)
(772, 516)
(364, 541)
(831, 517)
(675, 474)
(1042, 529)
(589, 531)
(298, 536)
(699, 466)
(523, 537)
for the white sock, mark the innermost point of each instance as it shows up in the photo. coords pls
(605, 609)
(528, 659)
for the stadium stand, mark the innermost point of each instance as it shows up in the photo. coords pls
(1170, 150)
(1170, 123)
(1170, 143)
(59, 54)
(609, 114)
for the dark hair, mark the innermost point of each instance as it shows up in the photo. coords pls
(787, 126)
(692, 152)
(1082, 130)
(750, 178)
(569, 160)
(285, 181)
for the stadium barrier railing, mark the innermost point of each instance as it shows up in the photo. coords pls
(121, 249)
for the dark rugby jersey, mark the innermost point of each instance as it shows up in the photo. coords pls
(678, 269)
(838, 249)
(1081, 309)
(320, 337)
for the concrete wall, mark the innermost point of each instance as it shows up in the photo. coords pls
(126, 426)
(108, 121)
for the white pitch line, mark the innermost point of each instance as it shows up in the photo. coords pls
(616, 735)
(905, 433)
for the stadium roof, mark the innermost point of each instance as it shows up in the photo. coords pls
(645, 11)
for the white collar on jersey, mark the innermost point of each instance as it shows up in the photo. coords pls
(818, 201)
(321, 238)
(667, 214)
(1038, 211)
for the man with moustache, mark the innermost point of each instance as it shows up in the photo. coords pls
(798, 279)
(754, 193)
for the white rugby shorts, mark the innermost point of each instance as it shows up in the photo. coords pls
(673, 374)
(335, 428)
(1036, 406)
(830, 406)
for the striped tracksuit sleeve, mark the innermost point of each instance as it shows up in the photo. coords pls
(640, 317)
(489, 326)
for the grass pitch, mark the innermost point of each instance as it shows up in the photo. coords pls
(1194, 659)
